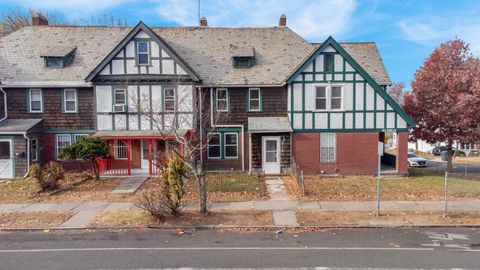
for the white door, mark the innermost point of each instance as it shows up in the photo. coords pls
(144, 160)
(271, 155)
(6, 159)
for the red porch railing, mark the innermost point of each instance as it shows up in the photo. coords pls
(113, 167)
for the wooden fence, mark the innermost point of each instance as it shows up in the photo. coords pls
(298, 175)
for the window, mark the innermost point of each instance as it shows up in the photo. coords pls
(242, 62)
(254, 100)
(169, 99)
(321, 98)
(36, 101)
(54, 62)
(222, 100)
(231, 145)
(120, 97)
(329, 97)
(143, 54)
(70, 100)
(5, 150)
(64, 140)
(213, 140)
(329, 62)
(34, 149)
(328, 147)
(120, 150)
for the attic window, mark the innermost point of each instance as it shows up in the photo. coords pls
(58, 57)
(243, 57)
(242, 62)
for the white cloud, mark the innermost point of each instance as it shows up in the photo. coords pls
(434, 30)
(311, 19)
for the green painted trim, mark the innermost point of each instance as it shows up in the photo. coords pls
(148, 41)
(260, 101)
(41, 100)
(222, 132)
(303, 101)
(222, 129)
(364, 105)
(330, 41)
(338, 111)
(347, 130)
(68, 131)
(375, 108)
(12, 153)
(354, 103)
(291, 105)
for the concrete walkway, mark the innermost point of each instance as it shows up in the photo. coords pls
(280, 199)
(283, 211)
(129, 185)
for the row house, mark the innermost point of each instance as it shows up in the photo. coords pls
(260, 98)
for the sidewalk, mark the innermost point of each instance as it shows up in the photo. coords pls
(86, 211)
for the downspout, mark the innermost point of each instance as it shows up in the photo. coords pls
(28, 153)
(4, 103)
(250, 153)
(236, 126)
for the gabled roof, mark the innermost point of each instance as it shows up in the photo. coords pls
(142, 27)
(207, 50)
(331, 42)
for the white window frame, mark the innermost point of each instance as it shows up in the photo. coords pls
(331, 141)
(75, 101)
(169, 99)
(259, 99)
(226, 99)
(117, 148)
(219, 145)
(225, 144)
(147, 52)
(30, 100)
(34, 150)
(65, 139)
(328, 94)
(115, 101)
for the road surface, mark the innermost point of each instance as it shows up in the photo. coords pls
(411, 248)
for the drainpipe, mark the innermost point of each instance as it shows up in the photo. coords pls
(4, 103)
(235, 126)
(28, 153)
(250, 153)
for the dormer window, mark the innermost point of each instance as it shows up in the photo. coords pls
(243, 57)
(58, 57)
(143, 53)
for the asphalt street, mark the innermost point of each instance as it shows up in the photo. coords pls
(457, 168)
(399, 248)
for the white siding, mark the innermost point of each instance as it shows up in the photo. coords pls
(104, 122)
(185, 98)
(308, 121)
(168, 66)
(380, 120)
(133, 122)
(103, 98)
(336, 121)
(297, 97)
(120, 122)
(321, 120)
(338, 63)
(132, 98)
(157, 98)
(118, 67)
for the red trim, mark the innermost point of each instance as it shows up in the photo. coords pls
(166, 138)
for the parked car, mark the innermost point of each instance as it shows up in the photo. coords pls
(416, 161)
(438, 150)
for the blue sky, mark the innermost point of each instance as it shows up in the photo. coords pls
(405, 31)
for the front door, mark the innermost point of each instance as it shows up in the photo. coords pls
(271, 155)
(6, 159)
(145, 156)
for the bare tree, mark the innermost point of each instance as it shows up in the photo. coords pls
(397, 92)
(185, 121)
(15, 19)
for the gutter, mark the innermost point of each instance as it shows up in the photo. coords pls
(4, 103)
(46, 84)
(220, 126)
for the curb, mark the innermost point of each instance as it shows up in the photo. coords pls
(224, 227)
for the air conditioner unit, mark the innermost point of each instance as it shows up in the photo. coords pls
(119, 108)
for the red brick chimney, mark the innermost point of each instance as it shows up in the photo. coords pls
(283, 20)
(4, 28)
(39, 19)
(203, 21)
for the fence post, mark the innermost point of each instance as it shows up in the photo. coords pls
(465, 176)
(446, 194)
(302, 183)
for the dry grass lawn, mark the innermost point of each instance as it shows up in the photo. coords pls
(316, 218)
(421, 185)
(44, 219)
(187, 218)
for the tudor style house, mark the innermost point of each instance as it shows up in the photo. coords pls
(267, 98)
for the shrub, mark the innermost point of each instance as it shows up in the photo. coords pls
(167, 199)
(35, 172)
(50, 177)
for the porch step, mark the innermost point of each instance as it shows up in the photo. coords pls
(129, 185)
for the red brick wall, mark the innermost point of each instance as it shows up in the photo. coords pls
(356, 153)
(402, 151)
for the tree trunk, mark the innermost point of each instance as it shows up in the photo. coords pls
(202, 188)
(95, 170)
(449, 158)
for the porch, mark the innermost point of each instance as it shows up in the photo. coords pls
(140, 154)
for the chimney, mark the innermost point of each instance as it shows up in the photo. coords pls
(4, 28)
(203, 21)
(283, 20)
(39, 19)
